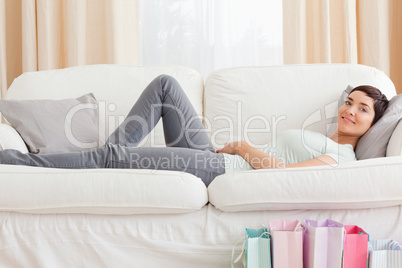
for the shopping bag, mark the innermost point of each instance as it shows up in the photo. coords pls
(257, 249)
(355, 251)
(287, 243)
(323, 244)
(385, 254)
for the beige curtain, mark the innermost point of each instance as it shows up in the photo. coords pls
(345, 31)
(49, 34)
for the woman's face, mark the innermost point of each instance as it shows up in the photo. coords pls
(356, 115)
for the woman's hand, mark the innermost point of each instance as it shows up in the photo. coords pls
(234, 147)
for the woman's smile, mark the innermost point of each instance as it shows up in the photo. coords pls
(348, 120)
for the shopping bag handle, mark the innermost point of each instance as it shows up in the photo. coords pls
(394, 245)
(241, 239)
(299, 226)
(265, 233)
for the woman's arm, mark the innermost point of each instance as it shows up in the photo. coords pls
(319, 161)
(260, 160)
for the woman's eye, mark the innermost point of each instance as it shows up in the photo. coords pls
(363, 110)
(347, 102)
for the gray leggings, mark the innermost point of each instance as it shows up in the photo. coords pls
(188, 146)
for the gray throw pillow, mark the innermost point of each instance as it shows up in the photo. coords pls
(54, 126)
(374, 142)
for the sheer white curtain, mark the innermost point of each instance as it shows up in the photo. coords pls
(207, 35)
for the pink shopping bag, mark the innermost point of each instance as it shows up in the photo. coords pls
(355, 252)
(287, 243)
(323, 244)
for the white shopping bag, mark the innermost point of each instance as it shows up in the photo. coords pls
(323, 244)
(385, 254)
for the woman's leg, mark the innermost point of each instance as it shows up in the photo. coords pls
(203, 164)
(163, 98)
(182, 128)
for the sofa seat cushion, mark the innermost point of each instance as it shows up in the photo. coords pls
(99, 191)
(363, 184)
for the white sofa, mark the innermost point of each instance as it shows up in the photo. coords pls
(147, 218)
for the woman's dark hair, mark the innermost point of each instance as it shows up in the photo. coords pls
(380, 101)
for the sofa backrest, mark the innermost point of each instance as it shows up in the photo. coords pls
(115, 87)
(256, 103)
(246, 103)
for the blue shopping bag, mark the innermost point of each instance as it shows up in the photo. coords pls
(257, 249)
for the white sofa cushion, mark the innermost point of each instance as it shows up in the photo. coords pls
(394, 147)
(367, 183)
(99, 191)
(116, 88)
(256, 103)
(10, 139)
(102, 191)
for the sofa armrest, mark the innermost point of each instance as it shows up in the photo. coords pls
(394, 147)
(10, 139)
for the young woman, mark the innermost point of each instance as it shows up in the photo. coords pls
(295, 148)
(190, 150)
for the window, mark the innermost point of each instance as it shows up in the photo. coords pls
(207, 35)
